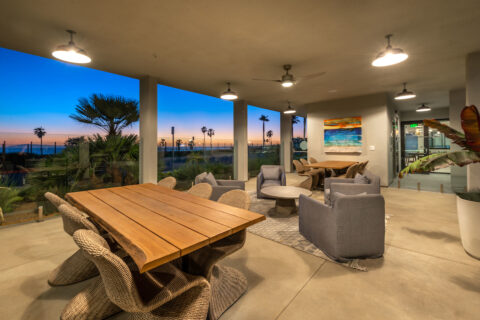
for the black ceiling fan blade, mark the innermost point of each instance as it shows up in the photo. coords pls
(267, 80)
(312, 76)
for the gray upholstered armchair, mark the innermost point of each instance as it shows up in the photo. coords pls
(353, 228)
(269, 176)
(219, 186)
(349, 186)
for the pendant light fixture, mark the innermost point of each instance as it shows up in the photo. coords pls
(405, 94)
(289, 109)
(70, 52)
(229, 94)
(390, 55)
(423, 108)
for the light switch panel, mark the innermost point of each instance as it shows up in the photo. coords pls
(372, 148)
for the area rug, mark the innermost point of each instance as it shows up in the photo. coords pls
(284, 230)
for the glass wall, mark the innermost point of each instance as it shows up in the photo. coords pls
(195, 134)
(299, 137)
(62, 129)
(263, 138)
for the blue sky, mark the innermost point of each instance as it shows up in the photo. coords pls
(37, 91)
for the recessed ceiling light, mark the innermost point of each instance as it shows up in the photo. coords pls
(423, 108)
(229, 94)
(332, 91)
(289, 109)
(70, 52)
(405, 94)
(389, 56)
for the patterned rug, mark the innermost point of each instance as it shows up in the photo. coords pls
(284, 230)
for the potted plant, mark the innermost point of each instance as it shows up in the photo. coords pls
(468, 203)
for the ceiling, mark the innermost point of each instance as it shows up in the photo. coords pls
(199, 45)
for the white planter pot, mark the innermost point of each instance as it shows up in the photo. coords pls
(469, 222)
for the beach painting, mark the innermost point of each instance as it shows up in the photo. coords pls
(343, 135)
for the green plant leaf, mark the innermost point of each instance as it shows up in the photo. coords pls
(438, 161)
(457, 137)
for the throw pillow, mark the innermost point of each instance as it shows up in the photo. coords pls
(337, 195)
(360, 179)
(210, 179)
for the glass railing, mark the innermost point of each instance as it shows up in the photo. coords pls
(81, 164)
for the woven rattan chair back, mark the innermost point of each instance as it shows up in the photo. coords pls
(236, 198)
(54, 199)
(73, 220)
(168, 182)
(202, 190)
(298, 166)
(304, 162)
(362, 166)
(352, 171)
(130, 290)
(312, 160)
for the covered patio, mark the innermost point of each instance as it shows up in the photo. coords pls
(327, 229)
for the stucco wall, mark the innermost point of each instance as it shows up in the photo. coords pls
(375, 130)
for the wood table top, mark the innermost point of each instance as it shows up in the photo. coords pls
(333, 164)
(155, 225)
(285, 192)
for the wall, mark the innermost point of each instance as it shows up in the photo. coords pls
(375, 130)
(436, 113)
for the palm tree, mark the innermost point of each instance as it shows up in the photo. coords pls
(295, 120)
(40, 133)
(264, 119)
(211, 133)
(179, 143)
(204, 130)
(163, 143)
(270, 135)
(110, 113)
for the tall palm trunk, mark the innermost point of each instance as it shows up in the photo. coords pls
(41, 146)
(263, 135)
(304, 126)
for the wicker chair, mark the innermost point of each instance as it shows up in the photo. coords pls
(304, 161)
(202, 190)
(312, 160)
(299, 167)
(351, 171)
(54, 199)
(168, 182)
(163, 293)
(76, 268)
(236, 198)
(361, 167)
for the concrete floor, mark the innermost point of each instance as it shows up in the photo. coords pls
(425, 274)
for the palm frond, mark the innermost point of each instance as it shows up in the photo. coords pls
(457, 137)
(438, 161)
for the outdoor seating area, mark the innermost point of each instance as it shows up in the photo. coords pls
(271, 160)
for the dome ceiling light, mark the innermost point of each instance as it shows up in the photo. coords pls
(289, 109)
(405, 94)
(390, 55)
(423, 108)
(229, 94)
(70, 52)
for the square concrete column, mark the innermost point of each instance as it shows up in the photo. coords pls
(458, 176)
(286, 141)
(240, 140)
(473, 98)
(148, 130)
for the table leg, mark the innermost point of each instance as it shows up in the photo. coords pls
(227, 284)
(285, 207)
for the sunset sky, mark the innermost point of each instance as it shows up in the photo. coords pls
(43, 92)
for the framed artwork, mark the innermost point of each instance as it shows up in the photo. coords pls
(343, 135)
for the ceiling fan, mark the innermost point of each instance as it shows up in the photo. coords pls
(289, 80)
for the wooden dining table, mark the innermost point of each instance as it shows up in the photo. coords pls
(331, 164)
(156, 225)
